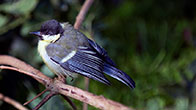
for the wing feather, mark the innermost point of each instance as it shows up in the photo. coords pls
(102, 52)
(86, 62)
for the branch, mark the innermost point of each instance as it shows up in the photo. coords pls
(12, 102)
(82, 13)
(59, 87)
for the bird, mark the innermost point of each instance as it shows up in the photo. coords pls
(68, 52)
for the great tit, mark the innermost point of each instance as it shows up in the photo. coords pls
(67, 52)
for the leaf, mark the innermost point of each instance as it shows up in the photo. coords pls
(155, 104)
(3, 20)
(14, 23)
(20, 7)
(181, 104)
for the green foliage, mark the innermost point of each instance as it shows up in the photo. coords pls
(152, 41)
(20, 7)
(3, 20)
(182, 104)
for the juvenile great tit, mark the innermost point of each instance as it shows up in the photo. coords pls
(66, 51)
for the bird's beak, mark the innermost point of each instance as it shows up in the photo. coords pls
(37, 33)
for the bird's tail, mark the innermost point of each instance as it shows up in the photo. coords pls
(119, 75)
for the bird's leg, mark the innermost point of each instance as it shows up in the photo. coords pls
(61, 77)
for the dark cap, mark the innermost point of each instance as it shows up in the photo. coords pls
(51, 27)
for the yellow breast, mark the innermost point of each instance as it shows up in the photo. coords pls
(42, 51)
(54, 67)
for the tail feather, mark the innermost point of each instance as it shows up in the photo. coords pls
(119, 75)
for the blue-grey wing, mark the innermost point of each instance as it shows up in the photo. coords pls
(86, 62)
(109, 66)
(102, 52)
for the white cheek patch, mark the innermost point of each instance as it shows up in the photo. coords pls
(70, 55)
(51, 38)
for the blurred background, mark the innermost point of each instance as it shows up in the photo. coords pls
(153, 41)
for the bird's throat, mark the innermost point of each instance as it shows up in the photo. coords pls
(42, 48)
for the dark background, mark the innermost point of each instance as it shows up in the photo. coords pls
(151, 40)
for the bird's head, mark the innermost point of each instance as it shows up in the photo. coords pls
(50, 31)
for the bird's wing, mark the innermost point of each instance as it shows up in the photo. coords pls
(109, 67)
(102, 52)
(85, 61)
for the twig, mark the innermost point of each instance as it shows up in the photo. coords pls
(70, 102)
(35, 97)
(51, 94)
(62, 88)
(12, 102)
(85, 105)
(82, 13)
